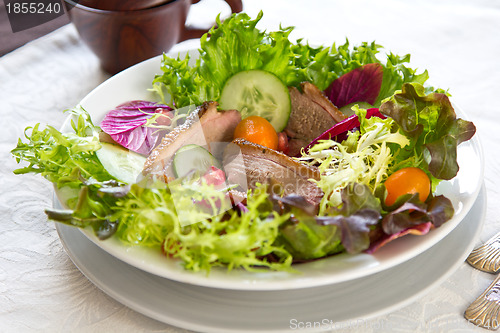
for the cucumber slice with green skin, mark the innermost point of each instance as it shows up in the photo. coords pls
(192, 157)
(258, 93)
(121, 163)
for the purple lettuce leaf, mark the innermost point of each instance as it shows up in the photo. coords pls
(420, 229)
(354, 228)
(288, 202)
(362, 84)
(411, 217)
(359, 211)
(440, 210)
(125, 125)
(412, 212)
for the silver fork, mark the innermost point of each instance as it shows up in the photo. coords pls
(485, 310)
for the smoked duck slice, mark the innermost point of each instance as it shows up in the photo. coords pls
(312, 114)
(206, 127)
(250, 163)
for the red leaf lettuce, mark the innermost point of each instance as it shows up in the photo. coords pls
(362, 84)
(430, 122)
(359, 210)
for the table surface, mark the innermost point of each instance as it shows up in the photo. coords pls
(457, 41)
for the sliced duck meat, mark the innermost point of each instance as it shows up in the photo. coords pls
(206, 127)
(247, 164)
(320, 98)
(312, 114)
(295, 146)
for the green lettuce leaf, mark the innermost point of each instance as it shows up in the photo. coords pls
(91, 210)
(396, 74)
(322, 65)
(234, 45)
(301, 235)
(62, 158)
(305, 239)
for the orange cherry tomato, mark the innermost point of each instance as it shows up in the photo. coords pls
(257, 130)
(407, 180)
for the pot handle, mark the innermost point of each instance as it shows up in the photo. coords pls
(191, 32)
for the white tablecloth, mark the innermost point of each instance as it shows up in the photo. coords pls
(458, 42)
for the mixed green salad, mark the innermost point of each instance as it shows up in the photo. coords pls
(377, 167)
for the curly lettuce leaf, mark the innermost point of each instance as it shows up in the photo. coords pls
(147, 214)
(232, 240)
(236, 44)
(69, 161)
(364, 157)
(232, 46)
(322, 65)
(430, 122)
(396, 74)
(62, 158)
(340, 131)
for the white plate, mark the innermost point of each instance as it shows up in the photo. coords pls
(216, 310)
(134, 83)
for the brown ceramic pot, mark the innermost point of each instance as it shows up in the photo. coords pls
(122, 38)
(121, 4)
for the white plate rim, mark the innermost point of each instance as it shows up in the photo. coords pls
(220, 279)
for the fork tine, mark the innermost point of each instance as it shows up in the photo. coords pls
(487, 257)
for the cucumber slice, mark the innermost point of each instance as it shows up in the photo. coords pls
(193, 157)
(258, 93)
(348, 111)
(121, 163)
